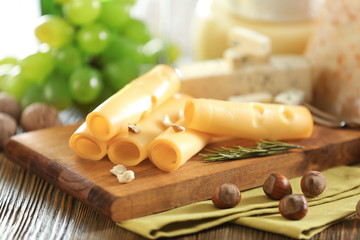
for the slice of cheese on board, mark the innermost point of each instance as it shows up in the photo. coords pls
(86, 146)
(248, 120)
(216, 79)
(131, 149)
(133, 102)
(171, 148)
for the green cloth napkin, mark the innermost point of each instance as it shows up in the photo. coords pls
(256, 210)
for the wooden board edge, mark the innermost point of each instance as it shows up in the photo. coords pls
(76, 186)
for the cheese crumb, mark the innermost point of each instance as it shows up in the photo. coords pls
(178, 128)
(134, 128)
(118, 169)
(167, 123)
(126, 177)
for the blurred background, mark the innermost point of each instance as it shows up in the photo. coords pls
(165, 18)
(80, 52)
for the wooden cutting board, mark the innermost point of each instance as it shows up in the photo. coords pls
(46, 153)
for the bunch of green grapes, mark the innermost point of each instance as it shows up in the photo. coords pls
(89, 50)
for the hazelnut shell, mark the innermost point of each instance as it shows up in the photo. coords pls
(8, 127)
(277, 186)
(313, 183)
(226, 195)
(293, 206)
(38, 116)
(10, 105)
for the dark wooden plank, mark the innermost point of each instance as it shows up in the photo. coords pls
(46, 153)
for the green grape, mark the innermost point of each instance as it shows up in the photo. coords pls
(119, 48)
(158, 51)
(16, 86)
(93, 39)
(85, 84)
(32, 95)
(129, 2)
(36, 67)
(54, 31)
(67, 59)
(6, 70)
(61, 1)
(172, 52)
(152, 50)
(82, 12)
(57, 92)
(9, 61)
(105, 94)
(114, 14)
(137, 31)
(118, 74)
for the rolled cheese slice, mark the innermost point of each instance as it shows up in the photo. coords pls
(250, 120)
(131, 149)
(86, 146)
(133, 102)
(171, 149)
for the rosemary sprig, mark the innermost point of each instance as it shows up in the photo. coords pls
(263, 148)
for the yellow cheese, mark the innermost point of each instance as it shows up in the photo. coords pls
(248, 120)
(171, 149)
(133, 102)
(131, 149)
(85, 145)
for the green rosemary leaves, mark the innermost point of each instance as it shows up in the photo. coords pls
(263, 148)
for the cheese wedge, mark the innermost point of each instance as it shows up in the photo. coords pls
(171, 148)
(237, 59)
(131, 149)
(250, 42)
(218, 80)
(248, 120)
(86, 146)
(264, 97)
(133, 102)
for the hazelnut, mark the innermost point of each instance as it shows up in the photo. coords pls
(277, 186)
(39, 115)
(8, 128)
(10, 105)
(313, 183)
(226, 195)
(358, 208)
(293, 206)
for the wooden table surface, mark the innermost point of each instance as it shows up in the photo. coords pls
(31, 208)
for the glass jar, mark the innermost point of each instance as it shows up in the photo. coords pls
(287, 23)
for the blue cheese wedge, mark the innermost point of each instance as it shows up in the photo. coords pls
(290, 97)
(249, 41)
(216, 79)
(236, 59)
